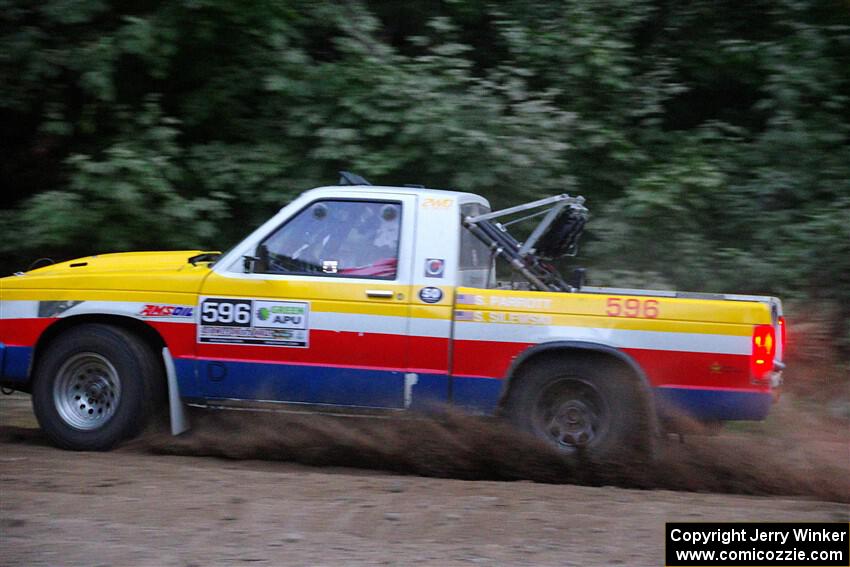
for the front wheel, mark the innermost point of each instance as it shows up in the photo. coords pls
(94, 387)
(583, 406)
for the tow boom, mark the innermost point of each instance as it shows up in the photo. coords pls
(556, 236)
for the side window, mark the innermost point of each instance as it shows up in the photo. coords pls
(475, 258)
(337, 239)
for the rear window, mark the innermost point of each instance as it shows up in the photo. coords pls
(475, 258)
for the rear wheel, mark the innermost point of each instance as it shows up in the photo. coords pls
(583, 406)
(95, 386)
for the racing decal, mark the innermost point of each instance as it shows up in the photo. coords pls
(254, 322)
(438, 204)
(155, 310)
(631, 307)
(434, 267)
(509, 302)
(55, 308)
(430, 294)
(505, 317)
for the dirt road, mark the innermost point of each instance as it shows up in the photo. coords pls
(140, 506)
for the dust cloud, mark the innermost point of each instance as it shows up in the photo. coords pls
(812, 462)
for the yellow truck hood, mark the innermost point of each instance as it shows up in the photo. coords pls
(131, 271)
(121, 262)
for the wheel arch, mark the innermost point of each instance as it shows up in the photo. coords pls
(140, 329)
(566, 349)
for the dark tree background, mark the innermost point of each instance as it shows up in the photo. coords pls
(709, 137)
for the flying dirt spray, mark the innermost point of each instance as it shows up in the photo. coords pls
(464, 447)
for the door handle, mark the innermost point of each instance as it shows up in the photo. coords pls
(383, 293)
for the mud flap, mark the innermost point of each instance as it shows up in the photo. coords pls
(176, 407)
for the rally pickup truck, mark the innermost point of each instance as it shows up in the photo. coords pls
(366, 299)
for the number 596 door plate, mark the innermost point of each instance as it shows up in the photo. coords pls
(254, 322)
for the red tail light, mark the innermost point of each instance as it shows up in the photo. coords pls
(783, 336)
(764, 348)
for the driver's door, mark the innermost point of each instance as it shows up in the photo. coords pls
(322, 315)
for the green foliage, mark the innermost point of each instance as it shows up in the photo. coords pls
(712, 141)
(128, 197)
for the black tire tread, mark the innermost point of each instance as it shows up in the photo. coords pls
(632, 435)
(142, 385)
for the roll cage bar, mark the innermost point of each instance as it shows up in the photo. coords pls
(556, 236)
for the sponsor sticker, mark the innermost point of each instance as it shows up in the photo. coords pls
(154, 310)
(434, 267)
(430, 294)
(254, 322)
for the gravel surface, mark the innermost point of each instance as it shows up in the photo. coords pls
(138, 506)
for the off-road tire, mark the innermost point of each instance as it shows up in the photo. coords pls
(95, 386)
(587, 407)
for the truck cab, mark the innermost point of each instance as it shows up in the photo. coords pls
(372, 273)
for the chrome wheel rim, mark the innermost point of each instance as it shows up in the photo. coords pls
(86, 391)
(571, 414)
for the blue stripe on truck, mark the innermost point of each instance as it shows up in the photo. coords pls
(199, 379)
(333, 385)
(713, 405)
(15, 362)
